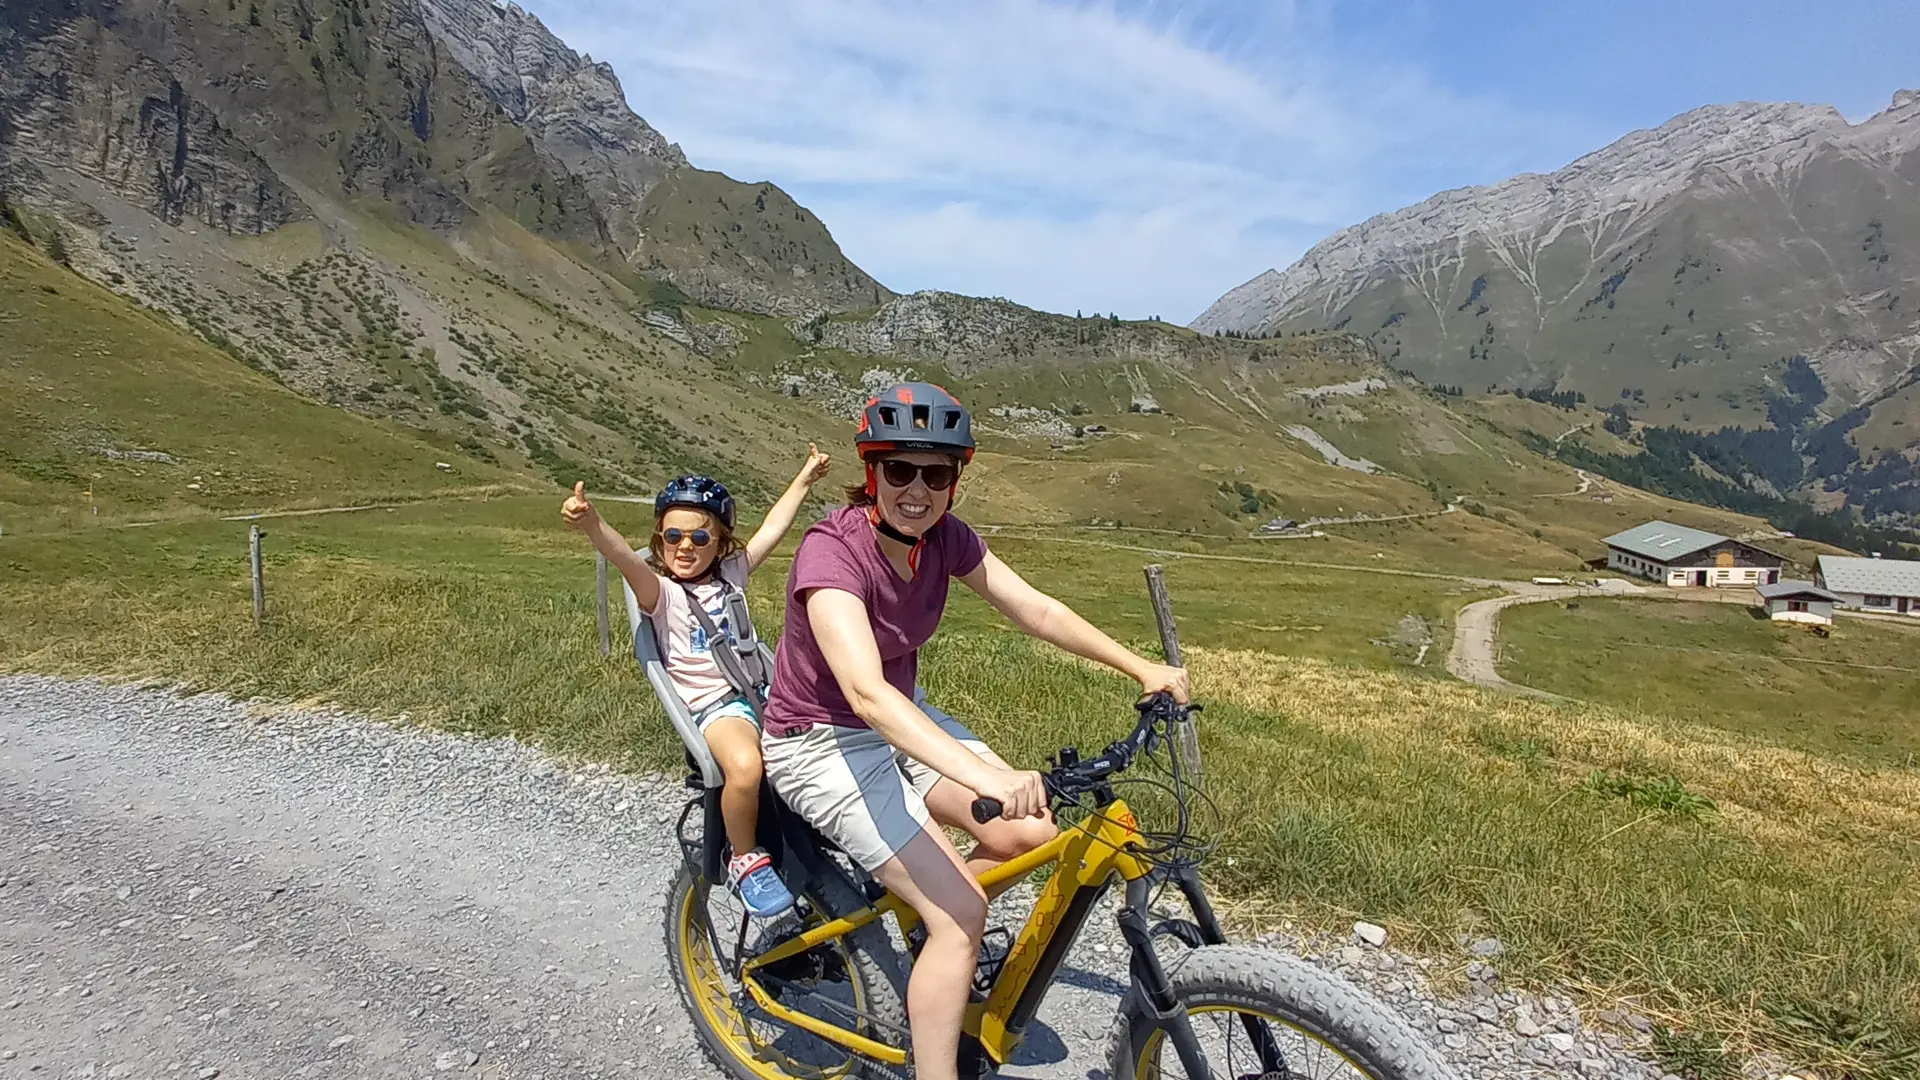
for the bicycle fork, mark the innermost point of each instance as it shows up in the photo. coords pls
(1151, 985)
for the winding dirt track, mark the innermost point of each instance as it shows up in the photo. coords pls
(1475, 653)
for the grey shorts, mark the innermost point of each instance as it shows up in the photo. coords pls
(855, 788)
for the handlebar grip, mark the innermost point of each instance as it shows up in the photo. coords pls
(985, 810)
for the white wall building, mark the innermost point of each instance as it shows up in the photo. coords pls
(1797, 602)
(1891, 586)
(1678, 556)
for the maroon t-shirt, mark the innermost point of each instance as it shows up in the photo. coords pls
(841, 551)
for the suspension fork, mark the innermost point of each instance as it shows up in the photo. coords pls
(1150, 983)
(1188, 878)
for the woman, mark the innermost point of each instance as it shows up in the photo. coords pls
(847, 744)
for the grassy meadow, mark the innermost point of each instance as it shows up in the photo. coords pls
(1766, 895)
(1854, 694)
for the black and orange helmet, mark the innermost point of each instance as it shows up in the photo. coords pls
(915, 416)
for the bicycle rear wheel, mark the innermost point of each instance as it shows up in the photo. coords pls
(1237, 997)
(860, 974)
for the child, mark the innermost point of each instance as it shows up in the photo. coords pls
(697, 558)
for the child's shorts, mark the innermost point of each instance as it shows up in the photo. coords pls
(733, 706)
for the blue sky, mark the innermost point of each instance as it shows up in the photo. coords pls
(1144, 156)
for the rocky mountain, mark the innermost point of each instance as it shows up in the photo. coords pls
(242, 115)
(428, 211)
(1676, 272)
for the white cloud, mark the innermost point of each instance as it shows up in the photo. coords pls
(1141, 159)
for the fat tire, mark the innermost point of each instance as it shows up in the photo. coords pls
(1291, 990)
(870, 952)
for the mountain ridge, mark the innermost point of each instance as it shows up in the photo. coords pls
(1680, 274)
(1253, 304)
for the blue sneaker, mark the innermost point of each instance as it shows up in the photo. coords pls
(760, 889)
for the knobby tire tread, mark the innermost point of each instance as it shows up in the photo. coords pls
(1331, 1009)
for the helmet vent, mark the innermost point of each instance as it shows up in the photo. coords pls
(922, 414)
(952, 420)
(889, 415)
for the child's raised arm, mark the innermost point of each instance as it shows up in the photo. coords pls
(580, 514)
(780, 518)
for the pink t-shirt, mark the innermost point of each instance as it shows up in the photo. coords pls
(689, 659)
(841, 551)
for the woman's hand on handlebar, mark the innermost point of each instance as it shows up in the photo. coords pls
(1160, 678)
(1021, 793)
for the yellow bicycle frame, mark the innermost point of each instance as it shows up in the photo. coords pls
(1085, 855)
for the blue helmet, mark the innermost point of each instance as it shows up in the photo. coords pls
(698, 492)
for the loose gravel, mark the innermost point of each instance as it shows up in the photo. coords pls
(199, 887)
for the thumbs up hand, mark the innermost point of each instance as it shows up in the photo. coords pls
(577, 512)
(816, 466)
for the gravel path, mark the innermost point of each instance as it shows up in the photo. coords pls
(189, 888)
(1473, 657)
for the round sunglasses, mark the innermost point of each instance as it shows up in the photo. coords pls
(700, 537)
(900, 474)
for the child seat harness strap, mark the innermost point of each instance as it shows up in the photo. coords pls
(738, 654)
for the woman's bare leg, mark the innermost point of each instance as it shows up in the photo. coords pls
(996, 841)
(929, 875)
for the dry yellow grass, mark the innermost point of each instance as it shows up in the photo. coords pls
(1440, 805)
(1776, 794)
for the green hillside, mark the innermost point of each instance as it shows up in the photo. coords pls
(98, 395)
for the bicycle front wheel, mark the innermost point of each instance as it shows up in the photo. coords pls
(1262, 1014)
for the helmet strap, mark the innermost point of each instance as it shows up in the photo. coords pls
(914, 543)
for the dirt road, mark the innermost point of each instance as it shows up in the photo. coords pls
(1476, 629)
(187, 888)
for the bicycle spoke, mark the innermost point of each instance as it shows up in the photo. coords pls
(1227, 1038)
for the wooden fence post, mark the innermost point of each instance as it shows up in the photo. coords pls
(254, 534)
(1187, 743)
(600, 586)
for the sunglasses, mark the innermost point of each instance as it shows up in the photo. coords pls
(700, 537)
(900, 474)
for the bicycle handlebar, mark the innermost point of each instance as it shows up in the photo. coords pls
(1066, 781)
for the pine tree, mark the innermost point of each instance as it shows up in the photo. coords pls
(57, 248)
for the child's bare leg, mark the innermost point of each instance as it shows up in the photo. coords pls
(736, 746)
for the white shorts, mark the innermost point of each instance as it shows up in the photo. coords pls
(855, 788)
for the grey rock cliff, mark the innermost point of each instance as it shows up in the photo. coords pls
(572, 108)
(73, 98)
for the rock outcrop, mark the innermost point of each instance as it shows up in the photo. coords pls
(966, 333)
(572, 108)
(747, 247)
(75, 98)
